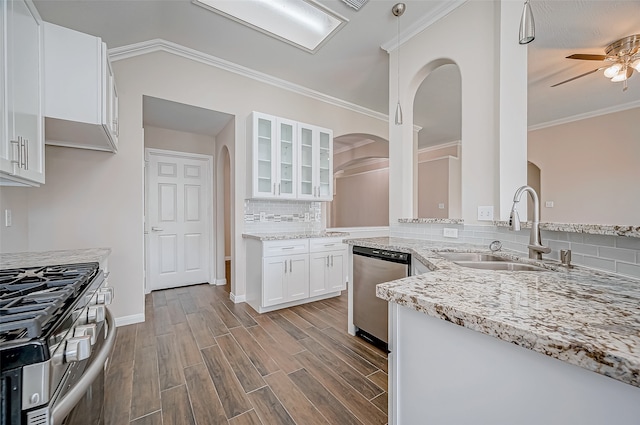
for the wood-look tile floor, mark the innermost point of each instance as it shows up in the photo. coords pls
(201, 359)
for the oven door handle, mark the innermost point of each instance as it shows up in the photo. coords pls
(68, 402)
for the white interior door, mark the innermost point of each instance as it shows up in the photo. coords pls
(178, 219)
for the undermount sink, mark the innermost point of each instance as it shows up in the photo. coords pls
(471, 256)
(501, 265)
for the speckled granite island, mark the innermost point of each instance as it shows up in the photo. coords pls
(473, 346)
(50, 258)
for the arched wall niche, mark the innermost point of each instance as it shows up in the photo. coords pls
(437, 159)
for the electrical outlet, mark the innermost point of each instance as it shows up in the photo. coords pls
(306, 217)
(8, 221)
(548, 204)
(441, 206)
(263, 216)
(485, 213)
(450, 233)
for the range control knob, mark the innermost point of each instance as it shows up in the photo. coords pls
(95, 313)
(90, 329)
(104, 296)
(77, 349)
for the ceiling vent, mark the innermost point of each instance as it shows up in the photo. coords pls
(356, 4)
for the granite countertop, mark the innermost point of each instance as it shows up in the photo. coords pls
(51, 258)
(592, 229)
(584, 317)
(292, 235)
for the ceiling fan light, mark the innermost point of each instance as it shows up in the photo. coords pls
(613, 70)
(621, 76)
(636, 64)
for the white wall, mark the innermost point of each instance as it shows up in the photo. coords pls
(466, 37)
(180, 141)
(590, 169)
(481, 38)
(14, 238)
(96, 199)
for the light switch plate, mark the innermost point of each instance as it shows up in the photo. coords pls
(485, 213)
(8, 220)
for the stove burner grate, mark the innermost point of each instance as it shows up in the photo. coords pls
(31, 298)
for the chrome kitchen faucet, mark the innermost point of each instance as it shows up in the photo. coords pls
(536, 249)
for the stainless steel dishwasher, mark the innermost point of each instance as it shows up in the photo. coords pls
(370, 267)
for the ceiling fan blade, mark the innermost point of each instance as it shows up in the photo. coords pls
(579, 76)
(587, 57)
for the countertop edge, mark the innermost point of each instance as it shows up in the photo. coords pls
(591, 229)
(293, 235)
(51, 258)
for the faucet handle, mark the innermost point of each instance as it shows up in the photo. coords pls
(540, 248)
(565, 257)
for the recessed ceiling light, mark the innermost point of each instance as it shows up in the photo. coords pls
(302, 23)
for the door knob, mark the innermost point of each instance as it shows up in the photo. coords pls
(156, 229)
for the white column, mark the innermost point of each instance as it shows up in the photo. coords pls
(513, 109)
(402, 147)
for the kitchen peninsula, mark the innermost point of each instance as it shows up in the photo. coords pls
(502, 347)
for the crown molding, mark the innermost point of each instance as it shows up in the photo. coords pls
(160, 45)
(457, 143)
(422, 24)
(586, 115)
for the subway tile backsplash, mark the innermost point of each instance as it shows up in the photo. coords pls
(263, 216)
(618, 254)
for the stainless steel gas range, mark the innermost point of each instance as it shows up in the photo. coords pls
(56, 334)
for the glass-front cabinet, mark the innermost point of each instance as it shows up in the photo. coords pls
(274, 157)
(316, 163)
(289, 159)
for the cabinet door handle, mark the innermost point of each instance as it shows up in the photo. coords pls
(26, 154)
(327, 261)
(278, 188)
(285, 266)
(290, 265)
(23, 154)
(15, 157)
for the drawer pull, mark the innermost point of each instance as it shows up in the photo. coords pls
(329, 244)
(288, 247)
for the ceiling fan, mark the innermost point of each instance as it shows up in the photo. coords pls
(621, 58)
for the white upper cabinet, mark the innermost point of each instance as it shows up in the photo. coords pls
(81, 107)
(21, 91)
(289, 160)
(274, 156)
(316, 163)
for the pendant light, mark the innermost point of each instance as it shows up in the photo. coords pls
(527, 25)
(397, 11)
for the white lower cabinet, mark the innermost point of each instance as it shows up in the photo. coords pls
(327, 265)
(284, 273)
(285, 279)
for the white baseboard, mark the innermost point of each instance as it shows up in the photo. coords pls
(220, 282)
(237, 298)
(129, 320)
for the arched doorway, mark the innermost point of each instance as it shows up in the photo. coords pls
(361, 182)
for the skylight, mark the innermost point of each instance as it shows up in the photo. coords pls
(302, 23)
